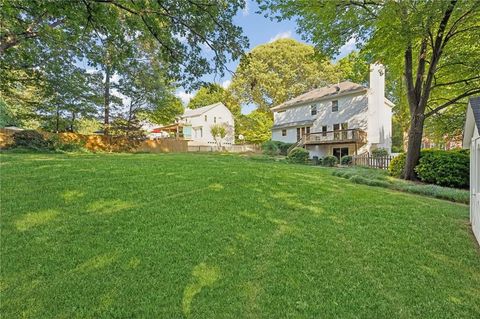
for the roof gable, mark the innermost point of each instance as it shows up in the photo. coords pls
(472, 121)
(330, 91)
(200, 110)
(475, 105)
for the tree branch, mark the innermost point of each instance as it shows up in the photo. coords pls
(452, 101)
(456, 82)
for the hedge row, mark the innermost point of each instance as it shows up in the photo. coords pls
(444, 168)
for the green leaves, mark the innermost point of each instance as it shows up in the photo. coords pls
(276, 72)
(42, 42)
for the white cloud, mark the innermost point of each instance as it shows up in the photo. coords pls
(225, 84)
(90, 70)
(184, 96)
(281, 35)
(347, 48)
(246, 10)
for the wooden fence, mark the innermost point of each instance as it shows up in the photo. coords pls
(381, 162)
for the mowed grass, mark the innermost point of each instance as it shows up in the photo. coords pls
(223, 236)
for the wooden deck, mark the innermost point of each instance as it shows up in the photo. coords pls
(336, 137)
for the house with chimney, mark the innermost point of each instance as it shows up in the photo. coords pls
(341, 119)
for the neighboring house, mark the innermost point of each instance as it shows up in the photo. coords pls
(471, 140)
(342, 119)
(448, 143)
(195, 124)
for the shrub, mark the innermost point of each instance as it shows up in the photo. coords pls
(298, 155)
(329, 161)
(444, 168)
(380, 152)
(30, 139)
(397, 149)
(270, 148)
(273, 148)
(397, 165)
(57, 144)
(346, 160)
(283, 147)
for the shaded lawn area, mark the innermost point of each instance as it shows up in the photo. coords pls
(207, 236)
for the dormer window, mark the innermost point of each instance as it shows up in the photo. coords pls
(313, 110)
(334, 106)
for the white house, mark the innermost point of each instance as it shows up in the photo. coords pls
(196, 124)
(471, 139)
(342, 119)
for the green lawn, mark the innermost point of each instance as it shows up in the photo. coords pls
(222, 236)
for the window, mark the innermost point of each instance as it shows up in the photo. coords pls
(205, 117)
(334, 106)
(298, 134)
(308, 130)
(201, 131)
(313, 110)
(324, 130)
(214, 119)
(284, 132)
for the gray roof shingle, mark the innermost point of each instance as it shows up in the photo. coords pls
(323, 92)
(475, 104)
(290, 124)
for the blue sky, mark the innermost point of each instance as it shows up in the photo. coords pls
(259, 30)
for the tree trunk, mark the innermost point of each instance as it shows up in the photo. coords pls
(106, 99)
(129, 122)
(73, 121)
(57, 120)
(414, 145)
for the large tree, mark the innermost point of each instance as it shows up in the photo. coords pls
(436, 44)
(39, 38)
(255, 127)
(275, 72)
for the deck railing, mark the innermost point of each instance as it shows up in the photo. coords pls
(336, 136)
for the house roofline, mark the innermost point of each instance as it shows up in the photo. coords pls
(206, 109)
(324, 98)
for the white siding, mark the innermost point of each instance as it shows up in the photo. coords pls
(291, 136)
(352, 109)
(219, 113)
(475, 184)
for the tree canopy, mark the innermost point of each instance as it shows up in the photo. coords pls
(433, 44)
(42, 42)
(275, 72)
